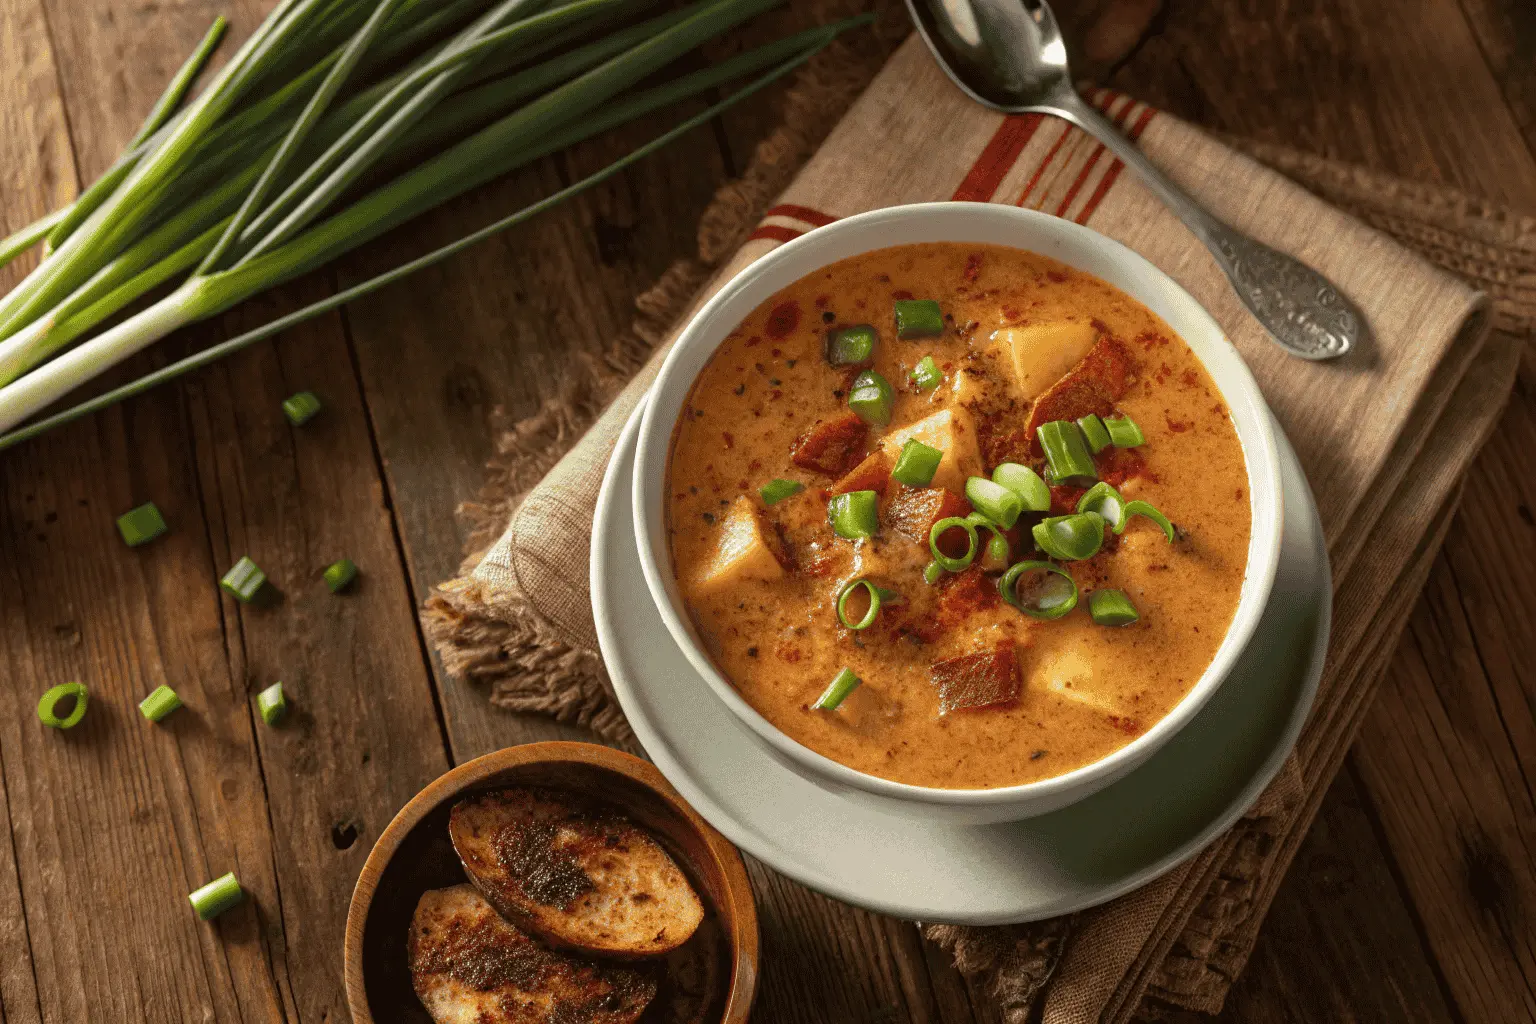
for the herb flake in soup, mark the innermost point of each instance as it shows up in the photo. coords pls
(958, 516)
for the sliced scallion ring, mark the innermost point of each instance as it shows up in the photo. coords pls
(1066, 453)
(943, 526)
(854, 515)
(775, 491)
(994, 501)
(932, 572)
(1034, 492)
(917, 463)
(996, 552)
(1094, 433)
(850, 346)
(1111, 608)
(844, 683)
(918, 318)
(1071, 538)
(926, 374)
(217, 896)
(1107, 502)
(1123, 432)
(161, 702)
(871, 398)
(877, 595)
(1142, 508)
(51, 703)
(1039, 589)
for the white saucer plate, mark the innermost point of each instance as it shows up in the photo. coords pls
(1190, 791)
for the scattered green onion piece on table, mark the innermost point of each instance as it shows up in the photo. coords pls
(1095, 433)
(871, 397)
(141, 525)
(1123, 432)
(850, 346)
(301, 408)
(1048, 591)
(160, 702)
(993, 500)
(854, 515)
(217, 896)
(932, 572)
(245, 580)
(876, 595)
(1107, 502)
(339, 575)
(775, 491)
(1142, 508)
(1067, 453)
(844, 683)
(272, 704)
(48, 706)
(926, 374)
(1071, 538)
(943, 526)
(1111, 608)
(918, 318)
(1034, 492)
(916, 464)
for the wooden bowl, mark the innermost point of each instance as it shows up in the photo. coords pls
(414, 854)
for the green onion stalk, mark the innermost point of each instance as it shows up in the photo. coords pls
(337, 121)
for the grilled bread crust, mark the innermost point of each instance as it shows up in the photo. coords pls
(469, 966)
(575, 874)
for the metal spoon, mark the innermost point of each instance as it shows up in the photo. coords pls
(1009, 55)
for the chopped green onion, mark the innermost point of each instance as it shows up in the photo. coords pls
(996, 554)
(844, 683)
(272, 704)
(854, 515)
(1034, 492)
(1071, 538)
(775, 491)
(876, 596)
(851, 346)
(1039, 589)
(917, 463)
(1067, 453)
(943, 526)
(160, 702)
(1142, 508)
(245, 580)
(994, 501)
(918, 318)
(871, 397)
(1123, 432)
(217, 896)
(74, 694)
(932, 572)
(1095, 433)
(1107, 502)
(141, 525)
(926, 374)
(339, 575)
(301, 408)
(1111, 608)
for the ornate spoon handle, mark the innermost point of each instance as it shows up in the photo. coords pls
(1302, 311)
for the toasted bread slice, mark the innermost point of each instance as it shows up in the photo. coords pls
(469, 966)
(574, 874)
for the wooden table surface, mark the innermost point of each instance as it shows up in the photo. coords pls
(1413, 899)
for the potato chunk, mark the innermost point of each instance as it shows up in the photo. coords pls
(748, 549)
(1041, 354)
(1068, 675)
(951, 431)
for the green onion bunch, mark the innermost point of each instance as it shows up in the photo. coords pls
(335, 122)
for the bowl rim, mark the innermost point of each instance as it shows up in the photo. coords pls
(948, 221)
(744, 939)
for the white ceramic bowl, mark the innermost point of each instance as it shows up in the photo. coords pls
(976, 223)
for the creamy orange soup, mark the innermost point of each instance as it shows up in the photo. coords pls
(957, 687)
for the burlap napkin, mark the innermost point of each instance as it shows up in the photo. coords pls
(1384, 437)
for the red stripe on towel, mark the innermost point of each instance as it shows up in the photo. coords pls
(776, 233)
(1114, 169)
(998, 158)
(1034, 179)
(1093, 160)
(815, 218)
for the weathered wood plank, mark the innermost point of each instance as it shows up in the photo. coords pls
(1506, 31)
(1339, 945)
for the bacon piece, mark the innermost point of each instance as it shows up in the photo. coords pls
(1093, 386)
(831, 446)
(963, 595)
(914, 510)
(873, 474)
(985, 680)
